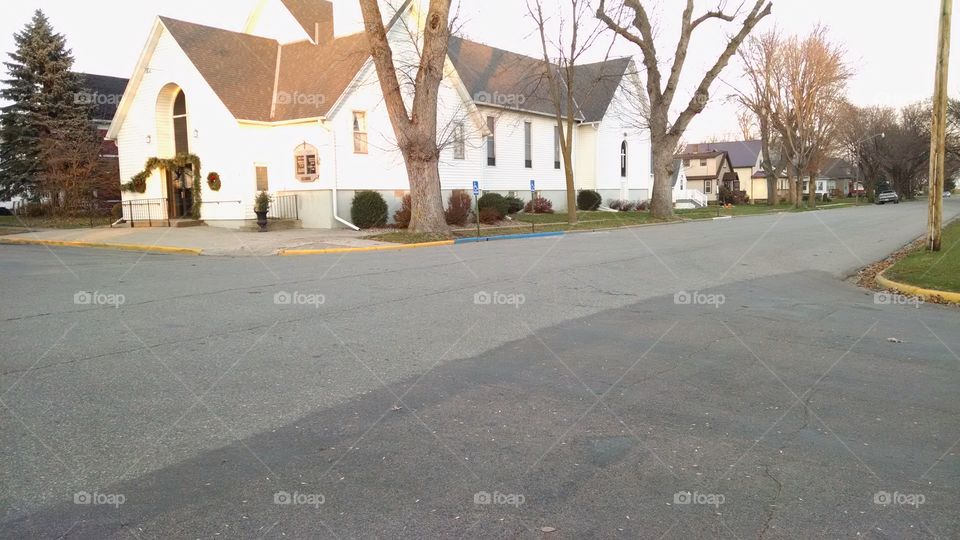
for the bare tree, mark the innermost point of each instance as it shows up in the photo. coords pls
(664, 133)
(864, 138)
(760, 57)
(561, 56)
(416, 128)
(808, 100)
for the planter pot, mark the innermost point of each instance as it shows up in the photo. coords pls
(262, 221)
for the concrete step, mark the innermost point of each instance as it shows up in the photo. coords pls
(273, 225)
(186, 223)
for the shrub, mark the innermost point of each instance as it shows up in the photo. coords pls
(496, 201)
(368, 210)
(514, 204)
(588, 200)
(728, 196)
(458, 208)
(628, 206)
(539, 205)
(116, 212)
(615, 204)
(403, 215)
(490, 215)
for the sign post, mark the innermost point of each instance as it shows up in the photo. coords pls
(476, 198)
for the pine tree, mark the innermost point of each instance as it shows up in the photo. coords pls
(43, 94)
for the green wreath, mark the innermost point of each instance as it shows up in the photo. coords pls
(213, 180)
(179, 164)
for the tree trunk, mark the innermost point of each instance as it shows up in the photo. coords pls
(571, 188)
(661, 202)
(772, 195)
(791, 187)
(427, 214)
(812, 192)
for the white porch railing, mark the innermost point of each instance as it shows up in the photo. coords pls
(693, 195)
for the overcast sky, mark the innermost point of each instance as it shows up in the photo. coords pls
(891, 43)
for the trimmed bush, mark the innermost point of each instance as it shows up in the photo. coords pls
(628, 206)
(616, 204)
(588, 200)
(490, 215)
(368, 210)
(642, 206)
(405, 213)
(116, 211)
(459, 208)
(496, 201)
(514, 204)
(539, 205)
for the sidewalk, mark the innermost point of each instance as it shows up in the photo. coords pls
(203, 240)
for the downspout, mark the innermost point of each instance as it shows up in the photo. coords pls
(336, 177)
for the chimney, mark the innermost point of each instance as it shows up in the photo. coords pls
(323, 29)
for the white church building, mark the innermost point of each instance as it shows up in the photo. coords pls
(288, 106)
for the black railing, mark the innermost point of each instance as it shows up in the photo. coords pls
(149, 211)
(284, 207)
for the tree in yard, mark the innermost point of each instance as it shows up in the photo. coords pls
(415, 128)
(759, 57)
(808, 101)
(665, 134)
(42, 92)
(561, 56)
(864, 137)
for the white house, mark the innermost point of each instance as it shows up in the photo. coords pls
(288, 106)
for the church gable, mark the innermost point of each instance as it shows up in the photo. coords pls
(289, 21)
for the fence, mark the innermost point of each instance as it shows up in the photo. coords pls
(149, 211)
(284, 207)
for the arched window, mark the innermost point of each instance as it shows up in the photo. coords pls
(307, 163)
(623, 159)
(180, 138)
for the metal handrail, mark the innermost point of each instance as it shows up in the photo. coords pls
(146, 210)
(284, 207)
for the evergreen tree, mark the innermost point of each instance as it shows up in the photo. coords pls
(44, 102)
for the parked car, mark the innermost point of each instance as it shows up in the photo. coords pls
(888, 196)
(947, 194)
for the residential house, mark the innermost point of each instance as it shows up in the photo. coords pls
(707, 170)
(291, 107)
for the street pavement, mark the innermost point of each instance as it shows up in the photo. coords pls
(710, 379)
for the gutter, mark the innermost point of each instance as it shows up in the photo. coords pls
(336, 177)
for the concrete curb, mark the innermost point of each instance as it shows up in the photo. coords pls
(509, 237)
(298, 252)
(96, 245)
(912, 290)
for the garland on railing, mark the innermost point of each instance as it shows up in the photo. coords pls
(179, 164)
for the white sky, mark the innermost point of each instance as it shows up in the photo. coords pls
(891, 43)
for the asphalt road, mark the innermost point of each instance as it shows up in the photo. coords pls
(711, 379)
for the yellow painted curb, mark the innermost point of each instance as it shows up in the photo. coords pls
(295, 252)
(912, 290)
(121, 247)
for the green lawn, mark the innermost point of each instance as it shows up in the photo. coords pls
(53, 223)
(940, 271)
(404, 237)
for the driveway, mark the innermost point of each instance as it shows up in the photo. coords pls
(704, 379)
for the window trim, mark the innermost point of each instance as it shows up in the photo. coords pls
(361, 139)
(303, 174)
(623, 159)
(459, 142)
(708, 186)
(256, 176)
(492, 142)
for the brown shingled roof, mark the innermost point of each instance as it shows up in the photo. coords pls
(310, 14)
(313, 77)
(240, 68)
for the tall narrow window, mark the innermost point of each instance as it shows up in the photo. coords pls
(528, 145)
(623, 159)
(492, 142)
(181, 140)
(707, 186)
(359, 132)
(556, 147)
(459, 143)
(263, 182)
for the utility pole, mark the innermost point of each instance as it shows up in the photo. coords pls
(938, 133)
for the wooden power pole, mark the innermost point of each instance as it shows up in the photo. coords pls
(938, 133)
